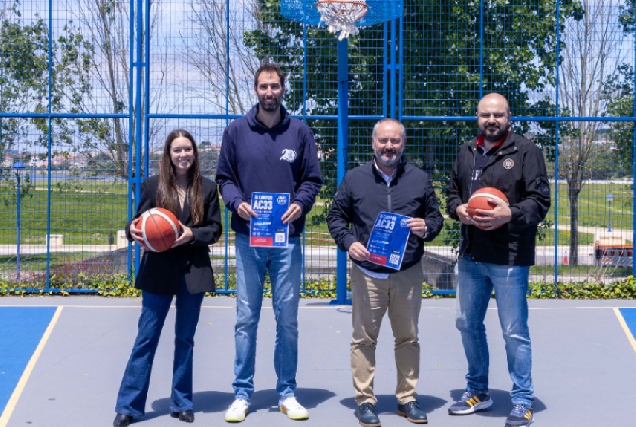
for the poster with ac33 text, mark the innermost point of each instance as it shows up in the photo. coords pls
(268, 230)
(388, 240)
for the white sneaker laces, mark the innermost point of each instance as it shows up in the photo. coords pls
(238, 405)
(292, 404)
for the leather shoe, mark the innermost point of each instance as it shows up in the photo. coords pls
(187, 416)
(122, 420)
(368, 415)
(412, 412)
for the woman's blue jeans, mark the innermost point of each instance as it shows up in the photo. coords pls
(284, 267)
(475, 283)
(133, 391)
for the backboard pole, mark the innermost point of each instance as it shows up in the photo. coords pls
(343, 142)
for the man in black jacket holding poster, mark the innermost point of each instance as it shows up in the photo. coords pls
(387, 184)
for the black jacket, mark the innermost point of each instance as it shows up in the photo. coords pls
(161, 272)
(363, 194)
(517, 169)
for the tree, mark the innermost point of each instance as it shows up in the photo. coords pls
(208, 51)
(592, 53)
(440, 66)
(24, 79)
(619, 95)
(107, 25)
(23, 71)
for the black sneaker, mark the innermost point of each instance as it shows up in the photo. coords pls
(470, 402)
(412, 412)
(368, 415)
(521, 415)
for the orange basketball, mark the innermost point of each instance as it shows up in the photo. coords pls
(483, 199)
(160, 228)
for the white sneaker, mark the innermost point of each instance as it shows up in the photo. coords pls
(237, 411)
(294, 410)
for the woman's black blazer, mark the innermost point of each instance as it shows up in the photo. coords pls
(161, 272)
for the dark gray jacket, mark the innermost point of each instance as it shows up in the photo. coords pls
(363, 194)
(518, 170)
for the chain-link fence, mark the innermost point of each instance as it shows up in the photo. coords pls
(89, 89)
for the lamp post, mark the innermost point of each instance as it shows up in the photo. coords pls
(609, 199)
(18, 166)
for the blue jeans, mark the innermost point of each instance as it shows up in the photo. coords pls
(133, 391)
(475, 282)
(284, 267)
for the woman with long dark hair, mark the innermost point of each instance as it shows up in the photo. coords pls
(183, 270)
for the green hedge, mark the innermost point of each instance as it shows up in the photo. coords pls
(118, 285)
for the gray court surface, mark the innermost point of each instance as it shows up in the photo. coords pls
(584, 366)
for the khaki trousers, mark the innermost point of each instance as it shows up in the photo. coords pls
(401, 294)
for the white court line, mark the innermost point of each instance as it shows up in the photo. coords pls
(621, 320)
(17, 392)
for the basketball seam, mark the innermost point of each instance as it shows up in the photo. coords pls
(144, 218)
(170, 221)
(154, 223)
(156, 211)
(148, 214)
(488, 195)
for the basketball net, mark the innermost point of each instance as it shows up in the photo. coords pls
(342, 15)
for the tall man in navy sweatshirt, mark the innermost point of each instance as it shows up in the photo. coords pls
(267, 151)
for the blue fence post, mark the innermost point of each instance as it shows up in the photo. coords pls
(131, 41)
(50, 151)
(138, 114)
(17, 246)
(634, 152)
(481, 49)
(226, 266)
(393, 113)
(556, 143)
(343, 133)
(304, 245)
(19, 167)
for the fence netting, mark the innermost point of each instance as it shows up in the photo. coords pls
(89, 89)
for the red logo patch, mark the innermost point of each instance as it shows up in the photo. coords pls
(508, 163)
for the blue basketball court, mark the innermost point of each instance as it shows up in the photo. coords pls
(62, 359)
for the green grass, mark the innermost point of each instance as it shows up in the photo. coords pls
(86, 212)
(37, 262)
(564, 238)
(593, 208)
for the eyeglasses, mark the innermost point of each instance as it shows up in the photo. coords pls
(489, 115)
(384, 141)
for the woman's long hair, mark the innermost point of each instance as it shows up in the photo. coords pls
(167, 195)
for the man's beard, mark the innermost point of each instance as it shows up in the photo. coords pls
(496, 136)
(269, 107)
(388, 163)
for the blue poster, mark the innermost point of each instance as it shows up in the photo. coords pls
(388, 240)
(268, 230)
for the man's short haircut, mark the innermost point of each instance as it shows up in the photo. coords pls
(508, 111)
(375, 128)
(269, 67)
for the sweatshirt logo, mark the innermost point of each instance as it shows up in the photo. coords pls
(508, 164)
(288, 155)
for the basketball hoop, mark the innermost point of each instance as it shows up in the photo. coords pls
(342, 15)
(345, 16)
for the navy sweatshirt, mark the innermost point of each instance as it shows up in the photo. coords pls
(255, 158)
